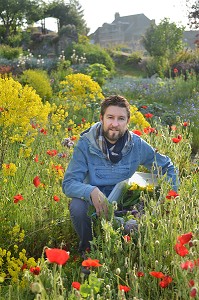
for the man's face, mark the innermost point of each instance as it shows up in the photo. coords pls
(115, 123)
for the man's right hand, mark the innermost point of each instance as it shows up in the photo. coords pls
(99, 202)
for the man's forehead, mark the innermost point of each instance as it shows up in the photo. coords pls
(116, 111)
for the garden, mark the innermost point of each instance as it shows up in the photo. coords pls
(42, 113)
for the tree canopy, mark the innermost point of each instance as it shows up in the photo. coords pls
(193, 15)
(16, 13)
(163, 40)
(67, 14)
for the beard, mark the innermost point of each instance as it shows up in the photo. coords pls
(112, 135)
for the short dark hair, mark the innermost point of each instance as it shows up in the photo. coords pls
(115, 100)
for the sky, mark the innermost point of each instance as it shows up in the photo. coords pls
(98, 12)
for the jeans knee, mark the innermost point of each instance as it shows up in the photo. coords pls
(78, 209)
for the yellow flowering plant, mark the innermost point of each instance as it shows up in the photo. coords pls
(80, 92)
(131, 194)
(20, 107)
(137, 118)
(14, 261)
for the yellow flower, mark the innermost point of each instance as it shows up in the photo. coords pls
(133, 187)
(9, 169)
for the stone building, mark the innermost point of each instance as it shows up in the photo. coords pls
(126, 30)
(129, 30)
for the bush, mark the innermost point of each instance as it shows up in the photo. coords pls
(94, 54)
(134, 58)
(39, 80)
(98, 72)
(81, 94)
(9, 52)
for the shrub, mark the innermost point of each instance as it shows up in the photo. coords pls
(9, 52)
(134, 58)
(19, 106)
(94, 54)
(79, 92)
(98, 72)
(39, 80)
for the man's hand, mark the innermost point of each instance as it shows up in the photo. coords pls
(99, 202)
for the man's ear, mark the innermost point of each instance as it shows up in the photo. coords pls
(101, 118)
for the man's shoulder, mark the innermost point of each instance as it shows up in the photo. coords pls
(89, 131)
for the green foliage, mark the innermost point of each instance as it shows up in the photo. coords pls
(157, 65)
(39, 80)
(98, 72)
(163, 40)
(13, 14)
(67, 14)
(193, 9)
(134, 58)
(9, 52)
(93, 54)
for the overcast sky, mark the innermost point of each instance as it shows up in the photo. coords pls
(97, 12)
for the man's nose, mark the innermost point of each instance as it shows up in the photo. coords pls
(115, 122)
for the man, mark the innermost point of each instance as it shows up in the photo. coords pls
(105, 155)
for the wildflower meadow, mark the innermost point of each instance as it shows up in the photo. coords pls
(159, 259)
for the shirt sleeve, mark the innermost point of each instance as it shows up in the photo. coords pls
(74, 182)
(159, 164)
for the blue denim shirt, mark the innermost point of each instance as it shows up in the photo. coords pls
(89, 168)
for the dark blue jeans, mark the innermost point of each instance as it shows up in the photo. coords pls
(82, 223)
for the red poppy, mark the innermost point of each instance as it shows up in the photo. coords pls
(140, 274)
(181, 249)
(185, 238)
(193, 292)
(69, 128)
(196, 262)
(185, 124)
(165, 281)
(73, 138)
(44, 131)
(36, 158)
(144, 106)
(56, 198)
(83, 120)
(136, 131)
(157, 274)
(187, 265)
(177, 139)
(91, 263)
(59, 167)
(36, 181)
(124, 288)
(18, 198)
(52, 152)
(148, 130)
(175, 70)
(57, 256)
(191, 283)
(34, 126)
(172, 194)
(127, 238)
(35, 270)
(76, 285)
(24, 267)
(148, 115)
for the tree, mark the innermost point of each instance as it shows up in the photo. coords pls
(163, 40)
(16, 13)
(193, 14)
(67, 14)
